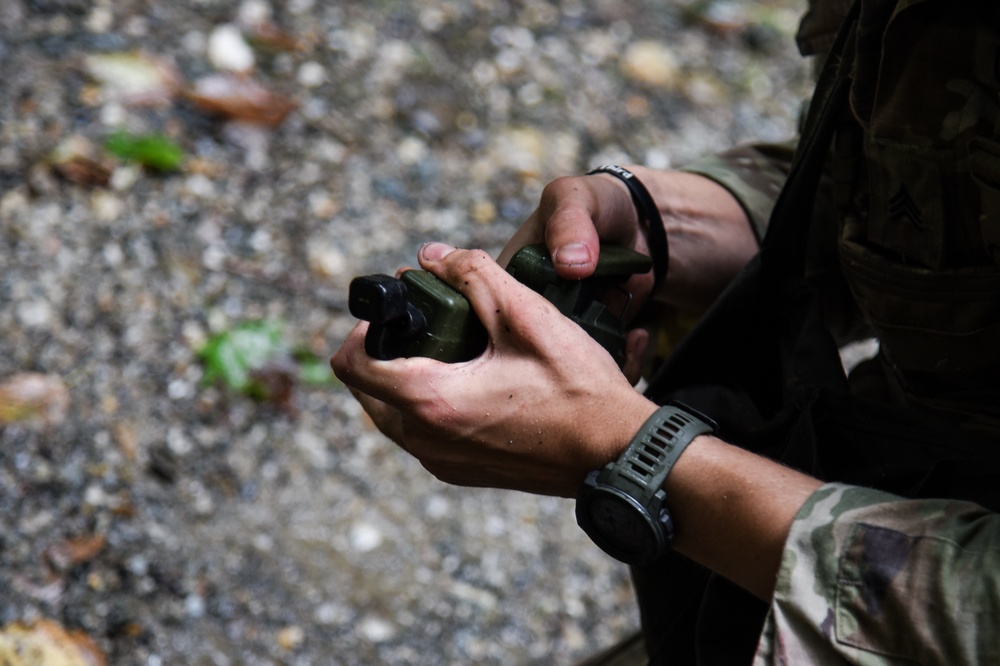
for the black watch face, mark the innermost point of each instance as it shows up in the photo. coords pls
(622, 526)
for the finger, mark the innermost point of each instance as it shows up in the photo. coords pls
(496, 297)
(583, 212)
(346, 361)
(474, 274)
(568, 207)
(353, 366)
(636, 344)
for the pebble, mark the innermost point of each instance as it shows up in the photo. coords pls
(228, 50)
(237, 533)
(289, 638)
(194, 606)
(311, 74)
(651, 63)
(331, 614)
(252, 13)
(35, 314)
(106, 207)
(365, 537)
(376, 629)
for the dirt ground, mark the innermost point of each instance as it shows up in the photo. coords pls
(173, 520)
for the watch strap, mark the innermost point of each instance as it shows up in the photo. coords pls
(641, 470)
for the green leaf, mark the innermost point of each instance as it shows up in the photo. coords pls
(151, 150)
(232, 356)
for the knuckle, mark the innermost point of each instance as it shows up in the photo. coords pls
(558, 186)
(555, 192)
(467, 262)
(472, 259)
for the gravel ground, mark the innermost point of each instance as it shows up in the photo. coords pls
(175, 522)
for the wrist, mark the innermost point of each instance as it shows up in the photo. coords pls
(648, 215)
(623, 506)
(733, 510)
(710, 236)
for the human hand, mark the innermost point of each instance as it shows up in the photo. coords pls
(541, 407)
(710, 238)
(574, 216)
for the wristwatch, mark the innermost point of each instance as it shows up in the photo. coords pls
(622, 507)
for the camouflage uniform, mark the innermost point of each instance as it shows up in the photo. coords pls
(905, 245)
(906, 238)
(870, 578)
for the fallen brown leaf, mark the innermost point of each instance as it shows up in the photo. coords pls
(271, 37)
(240, 98)
(77, 160)
(46, 643)
(72, 552)
(33, 397)
(136, 78)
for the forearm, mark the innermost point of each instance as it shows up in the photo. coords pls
(709, 235)
(733, 510)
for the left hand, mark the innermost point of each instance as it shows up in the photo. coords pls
(539, 409)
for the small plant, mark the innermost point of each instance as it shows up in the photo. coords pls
(153, 151)
(255, 359)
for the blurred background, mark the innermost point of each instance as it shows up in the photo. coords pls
(186, 190)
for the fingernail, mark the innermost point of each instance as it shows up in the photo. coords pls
(573, 254)
(435, 251)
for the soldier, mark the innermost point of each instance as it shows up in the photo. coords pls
(780, 511)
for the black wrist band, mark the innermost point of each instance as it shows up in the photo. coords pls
(656, 235)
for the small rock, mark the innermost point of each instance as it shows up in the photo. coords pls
(254, 12)
(651, 63)
(34, 398)
(107, 207)
(311, 74)
(376, 629)
(228, 51)
(326, 260)
(291, 637)
(46, 642)
(194, 606)
(365, 537)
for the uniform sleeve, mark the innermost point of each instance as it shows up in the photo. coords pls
(871, 578)
(753, 174)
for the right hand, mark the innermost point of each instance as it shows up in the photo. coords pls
(709, 235)
(541, 407)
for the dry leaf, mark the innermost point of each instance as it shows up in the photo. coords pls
(256, 21)
(77, 160)
(72, 552)
(33, 397)
(48, 591)
(137, 79)
(275, 382)
(240, 98)
(46, 643)
(270, 37)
